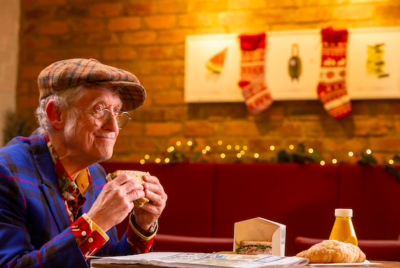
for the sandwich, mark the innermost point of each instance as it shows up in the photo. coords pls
(255, 247)
(138, 175)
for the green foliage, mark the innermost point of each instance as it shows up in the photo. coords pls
(367, 159)
(299, 156)
(392, 169)
(15, 126)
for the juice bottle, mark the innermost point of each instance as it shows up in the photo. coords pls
(343, 229)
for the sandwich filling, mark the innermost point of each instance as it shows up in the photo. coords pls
(254, 248)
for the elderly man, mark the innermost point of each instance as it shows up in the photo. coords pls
(56, 209)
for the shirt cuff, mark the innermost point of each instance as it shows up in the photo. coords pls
(138, 242)
(89, 236)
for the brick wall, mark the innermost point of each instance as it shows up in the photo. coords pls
(9, 16)
(147, 37)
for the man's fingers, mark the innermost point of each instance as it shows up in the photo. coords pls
(151, 179)
(134, 195)
(156, 199)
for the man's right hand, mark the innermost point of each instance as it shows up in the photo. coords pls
(115, 201)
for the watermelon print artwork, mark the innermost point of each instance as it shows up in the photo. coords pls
(216, 62)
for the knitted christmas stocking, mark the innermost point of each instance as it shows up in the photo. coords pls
(257, 95)
(332, 85)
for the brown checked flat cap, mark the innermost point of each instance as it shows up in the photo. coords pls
(74, 72)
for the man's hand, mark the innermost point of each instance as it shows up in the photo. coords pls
(115, 201)
(149, 213)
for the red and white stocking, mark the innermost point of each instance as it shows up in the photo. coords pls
(252, 71)
(332, 85)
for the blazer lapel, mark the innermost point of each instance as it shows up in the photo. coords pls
(49, 185)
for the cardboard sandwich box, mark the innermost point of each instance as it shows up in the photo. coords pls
(259, 229)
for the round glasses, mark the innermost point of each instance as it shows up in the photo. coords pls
(102, 116)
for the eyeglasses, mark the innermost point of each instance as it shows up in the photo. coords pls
(102, 116)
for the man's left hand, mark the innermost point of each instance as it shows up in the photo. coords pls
(149, 213)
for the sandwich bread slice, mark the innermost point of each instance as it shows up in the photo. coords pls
(138, 175)
(255, 247)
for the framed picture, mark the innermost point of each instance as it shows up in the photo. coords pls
(373, 63)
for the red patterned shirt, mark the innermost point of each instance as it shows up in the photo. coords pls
(88, 235)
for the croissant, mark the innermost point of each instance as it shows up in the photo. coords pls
(332, 251)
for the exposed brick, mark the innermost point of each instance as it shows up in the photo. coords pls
(157, 52)
(354, 12)
(387, 12)
(212, 30)
(124, 24)
(240, 128)
(162, 129)
(105, 38)
(207, 5)
(160, 21)
(170, 67)
(51, 2)
(27, 3)
(88, 25)
(49, 56)
(137, 67)
(83, 53)
(247, 4)
(69, 40)
(180, 51)
(197, 19)
(132, 129)
(179, 81)
(179, 113)
(145, 145)
(27, 101)
(139, 38)
(200, 128)
(152, 114)
(119, 53)
(123, 144)
(140, 7)
(385, 144)
(30, 71)
(233, 17)
(159, 82)
(345, 145)
(105, 9)
(28, 28)
(285, 129)
(284, 3)
(272, 16)
(54, 28)
(168, 97)
(372, 127)
(264, 144)
(172, 6)
(71, 11)
(23, 88)
(37, 14)
(173, 36)
(36, 42)
(312, 14)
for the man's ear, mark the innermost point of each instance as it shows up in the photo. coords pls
(55, 116)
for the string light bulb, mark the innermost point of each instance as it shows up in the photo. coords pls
(334, 161)
(208, 148)
(228, 147)
(222, 155)
(158, 160)
(166, 160)
(322, 163)
(369, 151)
(291, 146)
(239, 155)
(189, 143)
(219, 142)
(245, 147)
(272, 147)
(242, 152)
(178, 143)
(204, 151)
(237, 147)
(351, 154)
(256, 155)
(310, 150)
(391, 161)
(142, 161)
(147, 157)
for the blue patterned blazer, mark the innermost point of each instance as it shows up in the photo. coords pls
(34, 225)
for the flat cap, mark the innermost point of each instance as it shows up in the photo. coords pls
(74, 72)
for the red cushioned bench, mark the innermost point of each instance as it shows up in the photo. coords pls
(205, 200)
